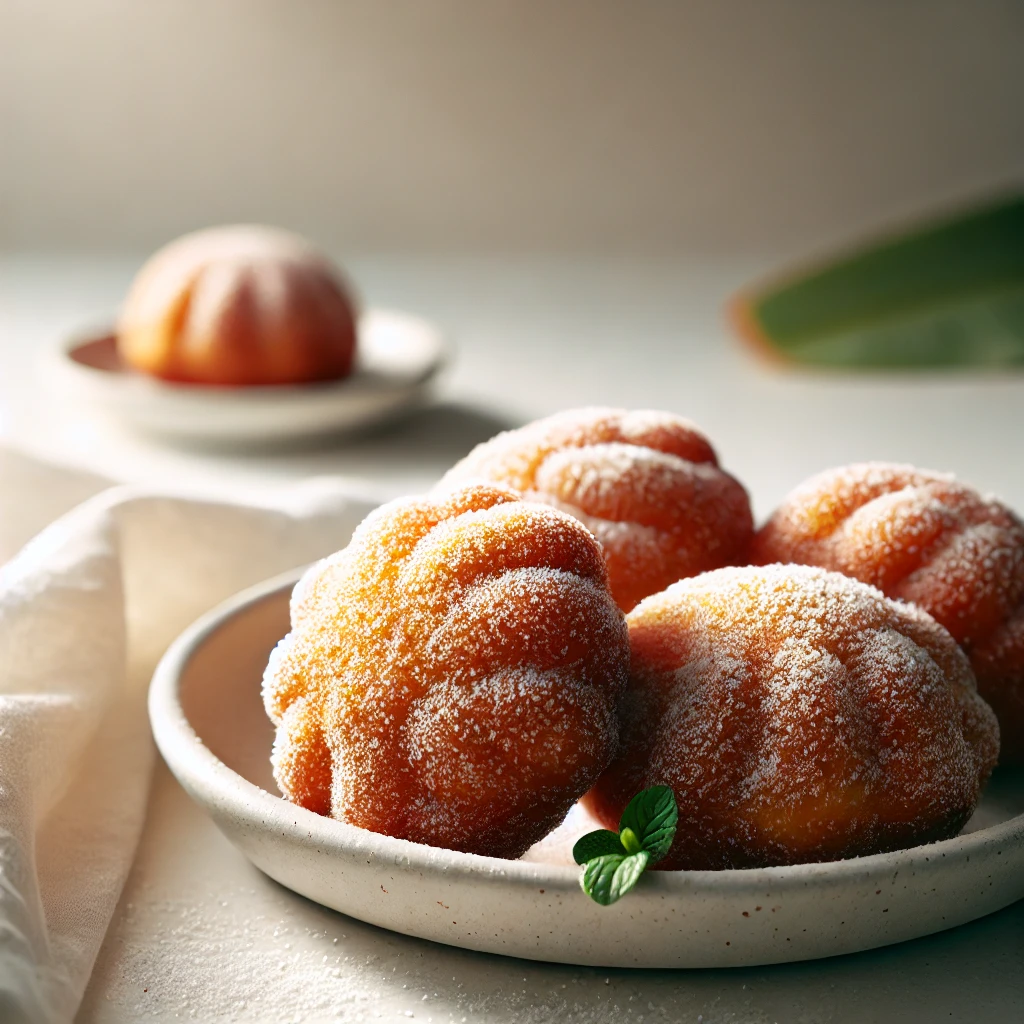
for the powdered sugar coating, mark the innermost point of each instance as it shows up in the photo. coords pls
(451, 676)
(922, 537)
(800, 716)
(647, 484)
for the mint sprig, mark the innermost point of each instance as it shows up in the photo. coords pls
(613, 862)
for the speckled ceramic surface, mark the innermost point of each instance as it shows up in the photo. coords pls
(211, 728)
(397, 358)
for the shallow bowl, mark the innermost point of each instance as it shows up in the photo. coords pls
(210, 725)
(397, 358)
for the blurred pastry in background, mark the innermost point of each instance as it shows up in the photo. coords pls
(237, 306)
(923, 537)
(647, 484)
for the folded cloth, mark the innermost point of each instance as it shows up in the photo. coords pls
(86, 609)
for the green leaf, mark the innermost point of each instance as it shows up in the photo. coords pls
(652, 816)
(597, 844)
(612, 862)
(945, 293)
(608, 878)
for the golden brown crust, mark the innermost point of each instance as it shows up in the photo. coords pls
(799, 715)
(451, 677)
(926, 538)
(647, 484)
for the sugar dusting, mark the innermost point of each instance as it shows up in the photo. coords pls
(921, 537)
(451, 677)
(800, 715)
(292, 962)
(646, 483)
(202, 935)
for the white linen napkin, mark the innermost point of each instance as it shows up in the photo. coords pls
(86, 609)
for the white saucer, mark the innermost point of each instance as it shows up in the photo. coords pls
(209, 723)
(397, 359)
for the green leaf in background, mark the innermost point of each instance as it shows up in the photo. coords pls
(608, 878)
(947, 294)
(652, 816)
(597, 844)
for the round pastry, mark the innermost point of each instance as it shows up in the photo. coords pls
(238, 306)
(921, 537)
(799, 715)
(647, 484)
(451, 676)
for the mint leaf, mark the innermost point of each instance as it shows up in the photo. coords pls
(612, 862)
(651, 816)
(597, 844)
(608, 878)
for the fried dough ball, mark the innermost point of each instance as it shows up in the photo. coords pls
(799, 715)
(922, 537)
(647, 484)
(451, 676)
(239, 306)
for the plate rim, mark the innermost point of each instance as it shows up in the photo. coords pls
(143, 385)
(213, 783)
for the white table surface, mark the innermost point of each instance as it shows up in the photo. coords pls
(533, 336)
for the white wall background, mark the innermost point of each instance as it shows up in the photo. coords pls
(508, 125)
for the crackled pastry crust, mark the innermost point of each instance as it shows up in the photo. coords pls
(647, 484)
(922, 537)
(451, 676)
(799, 715)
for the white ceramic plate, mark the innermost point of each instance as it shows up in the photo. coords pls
(397, 358)
(209, 723)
